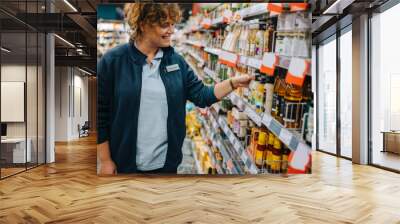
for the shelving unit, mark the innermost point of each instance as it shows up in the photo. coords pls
(209, 51)
(284, 61)
(288, 137)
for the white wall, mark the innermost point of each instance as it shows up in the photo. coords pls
(71, 92)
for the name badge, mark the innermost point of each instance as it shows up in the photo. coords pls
(171, 68)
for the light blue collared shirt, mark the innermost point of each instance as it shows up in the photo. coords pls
(152, 138)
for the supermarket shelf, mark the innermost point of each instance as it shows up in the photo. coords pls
(217, 142)
(211, 154)
(290, 139)
(194, 43)
(211, 74)
(255, 10)
(242, 152)
(198, 167)
(218, 21)
(211, 50)
(197, 57)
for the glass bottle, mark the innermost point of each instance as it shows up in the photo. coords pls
(269, 92)
(268, 155)
(276, 156)
(260, 149)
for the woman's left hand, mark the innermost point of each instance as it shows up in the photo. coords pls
(242, 81)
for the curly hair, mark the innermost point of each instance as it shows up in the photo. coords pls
(138, 14)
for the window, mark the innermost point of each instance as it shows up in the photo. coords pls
(327, 96)
(346, 94)
(385, 89)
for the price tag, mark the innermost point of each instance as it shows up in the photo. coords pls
(275, 8)
(254, 62)
(269, 61)
(258, 9)
(298, 7)
(266, 120)
(298, 68)
(285, 136)
(300, 157)
(217, 20)
(253, 115)
(206, 23)
(227, 14)
(243, 60)
(228, 58)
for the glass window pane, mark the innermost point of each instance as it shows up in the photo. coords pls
(385, 89)
(327, 97)
(346, 94)
(14, 153)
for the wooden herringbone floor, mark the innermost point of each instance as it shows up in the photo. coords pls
(70, 192)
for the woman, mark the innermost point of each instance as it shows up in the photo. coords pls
(143, 87)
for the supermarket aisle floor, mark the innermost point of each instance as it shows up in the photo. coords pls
(69, 191)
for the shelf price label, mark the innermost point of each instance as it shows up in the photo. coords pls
(206, 23)
(269, 62)
(257, 9)
(285, 136)
(297, 71)
(254, 62)
(253, 115)
(275, 8)
(266, 120)
(294, 7)
(228, 58)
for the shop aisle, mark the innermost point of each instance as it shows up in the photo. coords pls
(70, 191)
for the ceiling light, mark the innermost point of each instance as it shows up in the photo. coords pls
(5, 50)
(70, 5)
(65, 41)
(84, 71)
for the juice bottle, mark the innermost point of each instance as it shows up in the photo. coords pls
(278, 98)
(260, 149)
(268, 155)
(276, 156)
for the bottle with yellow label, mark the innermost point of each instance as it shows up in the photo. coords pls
(268, 154)
(276, 156)
(262, 138)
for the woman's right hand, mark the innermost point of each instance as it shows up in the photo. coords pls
(107, 167)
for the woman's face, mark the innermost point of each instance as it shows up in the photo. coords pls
(159, 34)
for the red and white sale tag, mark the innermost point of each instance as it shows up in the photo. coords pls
(294, 7)
(269, 61)
(298, 69)
(227, 15)
(228, 58)
(275, 8)
(206, 23)
(300, 158)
